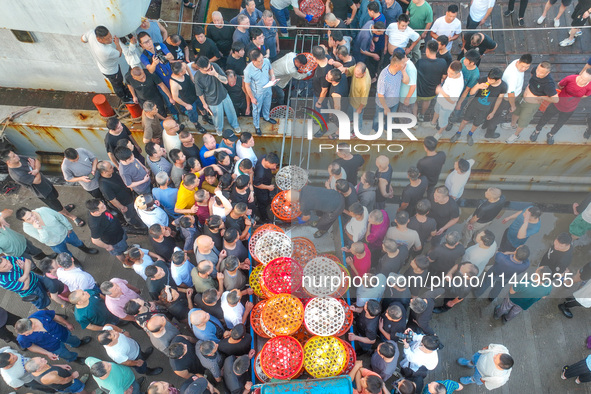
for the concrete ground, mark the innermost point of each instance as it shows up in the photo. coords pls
(541, 340)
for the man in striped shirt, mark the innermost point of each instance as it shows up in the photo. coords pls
(16, 275)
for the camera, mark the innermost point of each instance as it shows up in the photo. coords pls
(402, 336)
(160, 54)
(126, 39)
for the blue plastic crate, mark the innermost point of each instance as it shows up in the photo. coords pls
(334, 385)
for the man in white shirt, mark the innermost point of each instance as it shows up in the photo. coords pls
(484, 250)
(12, 369)
(448, 25)
(244, 148)
(287, 68)
(149, 211)
(513, 76)
(480, 10)
(357, 226)
(234, 312)
(126, 351)
(399, 35)
(492, 367)
(457, 179)
(447, 97)
(421, 351)
(72, 276)
(106, 51)
(141, 258)
(170, 137)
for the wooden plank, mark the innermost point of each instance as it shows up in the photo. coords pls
(170, 11)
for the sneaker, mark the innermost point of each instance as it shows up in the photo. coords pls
(565, 311)
(470, 140)
(286, 34)
(449, 126)
(550, 139)
(421, 118)
(237, 130)
(493, 135)
(562, 375)
(437, 136)
(455, 137)
(579, 33)
(587, 134)
(556, 22)
(219, 132)
(521, 22)
(508, 12)
(567, 42)
(541, 19)
(467, 380)
(508, 126)
(534, 136)
(512, 139)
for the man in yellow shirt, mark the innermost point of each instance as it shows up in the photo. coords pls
(359, 90)
(185, 201)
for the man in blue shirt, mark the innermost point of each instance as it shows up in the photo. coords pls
(46, 333)
(507, 267)
(257, 75)
(205, 327)
(526, 224)
(12, 269)
(389, 82)
(209, 149)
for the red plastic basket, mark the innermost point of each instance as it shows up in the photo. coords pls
(282, 357)
(284, 209)
(282, 276)
(351, 357)
(348, 319)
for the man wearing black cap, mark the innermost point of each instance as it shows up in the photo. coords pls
(229, 141)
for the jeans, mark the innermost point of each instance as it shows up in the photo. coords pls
(353, 112)
(193, 114)
(63, 351)
(282, 16)
(263, 105)
(136, 387)
(171, 107)
(477, 376)
(471, 24)
(497, 285)
(71, 239)
(118, 86)
(225, 107)
(43, 299)
(550, 112)
(380, 112)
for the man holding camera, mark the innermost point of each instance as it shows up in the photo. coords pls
(420, 356)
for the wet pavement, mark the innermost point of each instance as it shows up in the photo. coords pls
(541, 340)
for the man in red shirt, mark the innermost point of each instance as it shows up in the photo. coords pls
(573, 88)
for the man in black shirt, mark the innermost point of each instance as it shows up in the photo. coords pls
(341, 9)
(203, 46)
(559, 255)
(479, 41)
(394, 257)
(163, 243)
(237, 92)
(483, 216)
(443, 257)
(178, 47)
(338, 89)
(158, 278)
(418, 269)
(263, 183)
(348, 191)
(444, 210)
(105, 230)
(393, 321)
(430, 165)
(329, 204)
(210, 302)
(236, 61)
(366, 325)
(117, 194)
(188, 146)
(237, 344)
(413, 192)
(351, 163)
(118, 131)
(143, 86)
(421, 223)
(319, 83)
(420, 314)
(220, 33)
(182, 357)
(431, 71)
(236, 376)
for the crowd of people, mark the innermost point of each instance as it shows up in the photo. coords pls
(199, 204)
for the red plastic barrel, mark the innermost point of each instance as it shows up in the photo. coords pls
(103, 106)
(134, 110)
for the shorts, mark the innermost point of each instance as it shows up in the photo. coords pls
(579, 227)
(565, 3)
(76, 387)
(579, 21)
(52, 200)
(526, 112)
(476, 113)
(444, 114)
(120, 246)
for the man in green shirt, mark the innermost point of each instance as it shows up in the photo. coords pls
(113, 378)
(15, 244)
(527, 292)
(471, 75)
(90, 310)
(421, 19)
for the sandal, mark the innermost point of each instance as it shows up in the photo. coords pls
(333, 136)
(79, 222)
(189, 5)
(70, 207)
